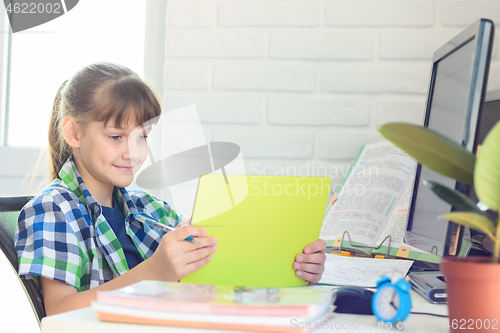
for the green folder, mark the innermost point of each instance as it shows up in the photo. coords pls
(261, 223)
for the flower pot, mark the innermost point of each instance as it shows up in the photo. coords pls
(473, 289)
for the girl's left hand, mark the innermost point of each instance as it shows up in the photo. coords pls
(311, 264)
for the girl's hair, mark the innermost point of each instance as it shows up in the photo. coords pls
(98, 92)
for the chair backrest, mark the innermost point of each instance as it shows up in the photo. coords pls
(9, 211)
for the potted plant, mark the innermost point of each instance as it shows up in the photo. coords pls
(473, 283)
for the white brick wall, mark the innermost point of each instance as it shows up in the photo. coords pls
(380, 13)
(265, 77)
(215, 44)
(344, 143)
(186, 75)
(321, 45)
(219, 108)
(305, 82)
(465, 12)
(194, 14)
(262, 143)
(418, 45)
(400, 110)
(375, 78)
(285, 110)
(253, 13)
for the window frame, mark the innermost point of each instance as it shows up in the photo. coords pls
(18, 162)
(4, 68)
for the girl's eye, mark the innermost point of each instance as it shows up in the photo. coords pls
(115, 137)
(143, 137)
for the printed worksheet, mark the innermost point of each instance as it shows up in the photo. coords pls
(361, 272)
(369, 194)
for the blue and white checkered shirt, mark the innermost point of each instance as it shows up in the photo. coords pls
(62, 234)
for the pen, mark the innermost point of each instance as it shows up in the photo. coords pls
(143, 218)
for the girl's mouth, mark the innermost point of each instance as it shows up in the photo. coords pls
(124, 168)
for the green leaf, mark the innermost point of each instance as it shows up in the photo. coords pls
(432, 149)
(487, 175)
(472, 220)
(457, 199)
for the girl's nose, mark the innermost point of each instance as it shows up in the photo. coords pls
(126, 152)
(132, 151)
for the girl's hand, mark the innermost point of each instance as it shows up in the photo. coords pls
(311, 264)
(185, 222)
(175, 257)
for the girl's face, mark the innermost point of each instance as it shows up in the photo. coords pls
(110, 156)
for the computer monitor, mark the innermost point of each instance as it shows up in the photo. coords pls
(454, 102)
(490, 115)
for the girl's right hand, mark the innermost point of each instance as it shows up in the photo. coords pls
(175, 257)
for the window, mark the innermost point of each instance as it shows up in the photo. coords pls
(43, 57)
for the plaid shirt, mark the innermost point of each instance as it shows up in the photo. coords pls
(62, 234)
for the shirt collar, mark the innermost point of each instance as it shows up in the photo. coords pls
(71, 177)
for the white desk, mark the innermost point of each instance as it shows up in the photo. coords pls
(85, 321)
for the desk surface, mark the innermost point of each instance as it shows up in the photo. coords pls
(85, 321)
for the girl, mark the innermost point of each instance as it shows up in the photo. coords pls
(78, 236)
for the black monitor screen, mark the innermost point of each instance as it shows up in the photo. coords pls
(453, 110)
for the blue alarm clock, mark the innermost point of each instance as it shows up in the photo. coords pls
(391, 302)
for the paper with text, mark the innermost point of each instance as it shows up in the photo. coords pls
(361, 272)
(369, 195)
(396, 224)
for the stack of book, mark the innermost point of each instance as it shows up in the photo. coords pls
(216, 306)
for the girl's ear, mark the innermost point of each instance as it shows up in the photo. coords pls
(70, 132)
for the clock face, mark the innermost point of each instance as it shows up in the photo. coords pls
(387, 303)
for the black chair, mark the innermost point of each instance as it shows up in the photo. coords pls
(9, 211)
